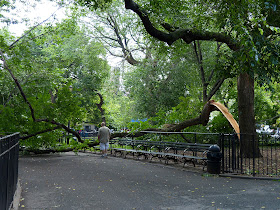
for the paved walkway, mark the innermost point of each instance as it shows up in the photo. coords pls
(86, 182)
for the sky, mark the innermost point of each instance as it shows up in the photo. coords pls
(43, 10)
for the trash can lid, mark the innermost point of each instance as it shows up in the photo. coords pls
(214, 148)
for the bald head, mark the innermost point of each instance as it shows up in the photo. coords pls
(103, 124)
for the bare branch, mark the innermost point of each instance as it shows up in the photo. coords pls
(197, 50)
(215, 88)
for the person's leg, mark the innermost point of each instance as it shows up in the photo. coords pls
(106, 149)
(102, 149)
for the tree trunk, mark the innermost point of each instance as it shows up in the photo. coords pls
(248, 138)
(100, 107)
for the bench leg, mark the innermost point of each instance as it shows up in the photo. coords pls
(193, 161)
(185, 160)
(165, 160)
(146, 156)
(115, 153)
(204, 164)
(152, 156)
(124, 154)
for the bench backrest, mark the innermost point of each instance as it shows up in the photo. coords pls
(161, 145)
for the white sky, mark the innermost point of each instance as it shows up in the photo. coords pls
(43, 10)
(36, 14)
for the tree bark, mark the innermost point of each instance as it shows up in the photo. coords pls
(99, 106)
(248, 138)
(188, 35)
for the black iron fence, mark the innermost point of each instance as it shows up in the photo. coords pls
(254, 155)
(190, 137)
(9, 151)
(257, 155)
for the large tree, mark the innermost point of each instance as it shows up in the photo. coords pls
(249, 29)
(161, 74)
(44, 64)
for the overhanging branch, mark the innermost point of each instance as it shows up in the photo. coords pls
(188, 35)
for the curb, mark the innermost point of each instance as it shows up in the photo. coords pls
(16, 200)
(249, 177)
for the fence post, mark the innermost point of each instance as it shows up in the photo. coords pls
(8, 174)
(241, 152)
(233, 153)
(254, 155)
(9, 149)
(222, 144)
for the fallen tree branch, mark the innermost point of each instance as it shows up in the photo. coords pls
(202, 119)
(29, 104)
(46, 151)
(39, 132)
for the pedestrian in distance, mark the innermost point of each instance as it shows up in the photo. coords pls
(104, 137)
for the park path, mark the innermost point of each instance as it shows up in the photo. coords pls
(87, 182)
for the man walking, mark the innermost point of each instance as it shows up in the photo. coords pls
(104, 137)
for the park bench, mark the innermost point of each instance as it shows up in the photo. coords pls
(134, 147)
(187, 152)
(122, 146)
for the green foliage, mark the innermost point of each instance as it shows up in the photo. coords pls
(186, 109)
(77, 146)
(119, 111)
(42, 141)
(5, 7)
(46, 63)
(141, 125)
(265, 108)
(159, 86)
(94, 4)
(166, 88)
(220, 124)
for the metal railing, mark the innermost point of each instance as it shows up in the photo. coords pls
(253, 155)
(256, 155)
(9, 152)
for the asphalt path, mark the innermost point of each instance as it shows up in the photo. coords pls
(87, 181)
